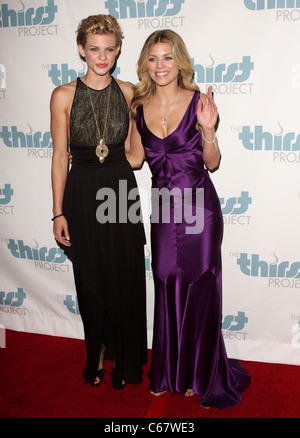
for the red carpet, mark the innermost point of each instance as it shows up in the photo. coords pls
(40, 377)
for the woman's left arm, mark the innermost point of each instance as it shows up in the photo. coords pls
(207, 116)
(127, 90)
(133, 145)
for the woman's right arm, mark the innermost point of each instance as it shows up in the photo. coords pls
(59, 131)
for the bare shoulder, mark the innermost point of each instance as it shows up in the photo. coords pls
(63, 94)
(187, 94)
(127, 89)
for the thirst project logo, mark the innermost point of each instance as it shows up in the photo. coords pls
(44, 258)
(233, 326)
(2, 77)
(12, 137)
(285, 10)
(150, 14)
(37, 144)
(225, 78)
(13, 302)
(234, 209)
(33, 21)
(6, 194)
(143, 8)
(279, 274)
(271, 4)
(284, 145)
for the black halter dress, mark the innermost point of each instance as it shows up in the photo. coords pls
(108, 257)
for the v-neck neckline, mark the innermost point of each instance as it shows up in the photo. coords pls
(179, 124)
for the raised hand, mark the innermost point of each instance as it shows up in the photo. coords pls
(207, 112)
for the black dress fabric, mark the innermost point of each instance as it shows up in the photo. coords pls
(108, 258)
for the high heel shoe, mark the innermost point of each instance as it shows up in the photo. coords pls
(116, 383)
(157, 394)
(99, 375)
(189, 393)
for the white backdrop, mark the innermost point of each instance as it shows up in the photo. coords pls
(248, 51)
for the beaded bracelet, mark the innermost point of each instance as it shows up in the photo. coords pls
(215, 141)
(59, 215)
(209, 142)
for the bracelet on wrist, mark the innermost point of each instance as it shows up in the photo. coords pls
(59, 215)
(215, 141)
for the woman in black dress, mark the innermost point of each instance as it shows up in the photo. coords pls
(90, 215)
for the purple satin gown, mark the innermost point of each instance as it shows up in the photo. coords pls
(188, 350)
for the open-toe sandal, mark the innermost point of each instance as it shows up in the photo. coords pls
(99, 375)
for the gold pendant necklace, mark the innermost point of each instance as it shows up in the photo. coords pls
(101, 150)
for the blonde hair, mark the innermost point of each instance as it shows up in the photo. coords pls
(146, 86)
(98, 24)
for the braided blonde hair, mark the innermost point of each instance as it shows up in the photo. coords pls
(98, 24)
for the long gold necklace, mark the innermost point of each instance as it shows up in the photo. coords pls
(101, 150)
(166, 118)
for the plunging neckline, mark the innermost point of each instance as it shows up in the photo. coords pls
(179, 124)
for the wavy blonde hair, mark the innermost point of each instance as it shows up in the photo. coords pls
(146, 86)
(99, 24)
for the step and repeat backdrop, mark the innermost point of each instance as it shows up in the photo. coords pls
(248, 51)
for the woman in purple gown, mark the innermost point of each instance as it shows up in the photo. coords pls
(174, 130)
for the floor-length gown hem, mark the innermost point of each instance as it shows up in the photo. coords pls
(107, 254)
(188, 349)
